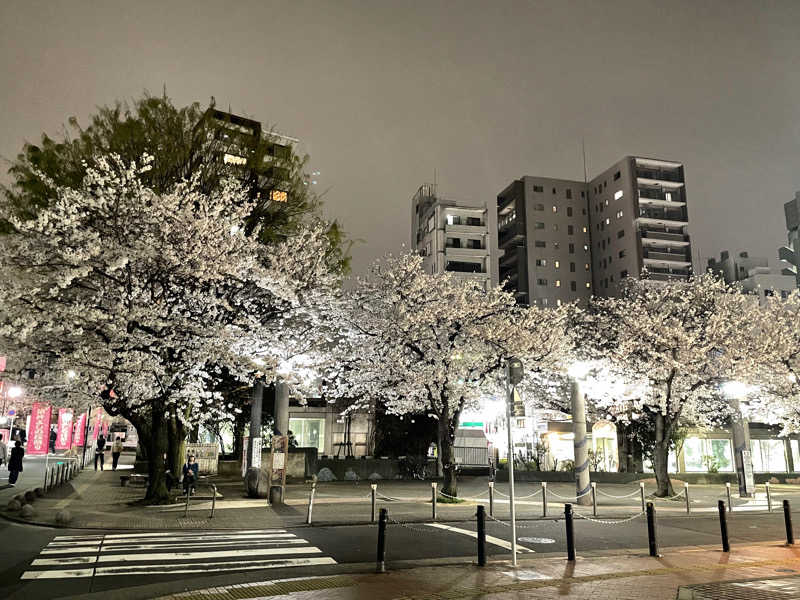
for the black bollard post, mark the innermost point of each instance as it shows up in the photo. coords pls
(383, 519)
(723, 526)
(570, 532)
(481, 514)
(652, 541)
(787, 518)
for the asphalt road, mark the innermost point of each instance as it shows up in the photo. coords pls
(37, 562)
(32, 476)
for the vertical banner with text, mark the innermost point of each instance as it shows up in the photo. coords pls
(80, 430)
(39, 437)
(64, 429)
(98, 419)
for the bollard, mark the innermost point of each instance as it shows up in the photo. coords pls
(382, 520)
(46, 472)
(652, 541)
(491, 498)
(769, 498)
(728, 491)
(787, 519)
(433, 500)
(686, 493)
(641, 493)
(481, 514)
(594, 499)
(373, 494)
(570, 532)
(544, 498)
(311, 502)
(186, 510)
(213, 500)
(723, 526)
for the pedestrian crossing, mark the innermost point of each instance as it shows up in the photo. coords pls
(165, 553)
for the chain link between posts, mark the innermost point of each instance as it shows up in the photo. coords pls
(496, 491)
(678, 495)
(552, 493)
(609, 521)
(631, 495)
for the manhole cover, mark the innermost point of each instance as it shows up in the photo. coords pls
(535, 540)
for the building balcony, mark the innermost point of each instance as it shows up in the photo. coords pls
(663, 236)
(469, 275)
(511, 233)
(666, 254)
(659, 202)
(663, 221)
(665, 275)
(504, 205)
(469, 229)
(473, 252)
(658, 259)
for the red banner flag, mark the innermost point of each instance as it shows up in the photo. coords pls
(39, 436)
(98, 419)
(80, 430)
(64, 432)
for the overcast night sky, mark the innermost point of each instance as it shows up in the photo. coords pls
(382, 93)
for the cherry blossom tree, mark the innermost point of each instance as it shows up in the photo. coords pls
(151, 299)
(674, 342)
(422, 343)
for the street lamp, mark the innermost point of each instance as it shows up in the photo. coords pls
(14, 391)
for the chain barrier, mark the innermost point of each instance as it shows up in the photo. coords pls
(678, 495)
(631, 495)
(608, 522)
(496, 491)
(570, 498)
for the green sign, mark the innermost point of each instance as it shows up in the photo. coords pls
(472, 424)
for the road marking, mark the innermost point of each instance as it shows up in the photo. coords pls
(178, 534)
(474, 534)
(199, 538)
(72, 560)
(65, 574)
(187, 545)
(202, 568)
(76, 550)
(205, 554)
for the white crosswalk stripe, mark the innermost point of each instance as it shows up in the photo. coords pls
(164, 553)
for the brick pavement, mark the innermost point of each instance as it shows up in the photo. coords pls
(620, 576)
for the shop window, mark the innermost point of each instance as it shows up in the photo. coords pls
(768, 456)
(704, 455)
(309, 433)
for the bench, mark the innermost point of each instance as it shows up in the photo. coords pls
(133, 477)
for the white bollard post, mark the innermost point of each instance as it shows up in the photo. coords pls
(686, 493)
(641, 493)
(433, 499)
(769, 498)
(728, 490)
(594, 499)
(544, 498)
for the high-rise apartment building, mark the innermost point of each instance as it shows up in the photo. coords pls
(454, 236)
(790, 254)
(565, 240)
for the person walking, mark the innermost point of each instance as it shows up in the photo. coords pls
(15, 463)
(53, 437)
(3, 452)
(100, 448)
(190, 474)
(116, 450)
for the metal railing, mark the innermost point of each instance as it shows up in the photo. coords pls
(213, 497)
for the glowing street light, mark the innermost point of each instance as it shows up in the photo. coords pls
(14, 391)
(71, 374)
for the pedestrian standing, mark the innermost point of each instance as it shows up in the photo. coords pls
(53, 437)
(100, 448)
(15, 462)
(190, 475)
(116, 450)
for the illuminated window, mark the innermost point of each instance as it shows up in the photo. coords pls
(556, 264)
(588, 285)
(555, 208)
(558, 283)
(541, 262)
(608, 221)
(558, 302)
(585, 230)
(585, 266)
(586, 247)
(619, 214)
(232, 159)
(618, 195)
(278, 196)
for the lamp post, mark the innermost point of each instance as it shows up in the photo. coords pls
(740, 428)
(514, 374)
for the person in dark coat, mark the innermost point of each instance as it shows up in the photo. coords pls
(15, 462)
(190, 474)
(53, 437)
(100, 448)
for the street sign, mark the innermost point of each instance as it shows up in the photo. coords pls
(747, 464)
(11, 412)
(514, 370)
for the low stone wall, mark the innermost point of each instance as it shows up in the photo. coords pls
(301, 463)
(387, 468)
(603, 477)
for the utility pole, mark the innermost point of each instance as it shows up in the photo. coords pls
(513, 377)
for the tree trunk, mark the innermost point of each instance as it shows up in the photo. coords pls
(447, 453)
(661, 458)
(157, 447)
(176, 440)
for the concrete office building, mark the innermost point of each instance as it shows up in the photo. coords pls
(754, 274)
(630, 217)
(454, 236)
(790, 254)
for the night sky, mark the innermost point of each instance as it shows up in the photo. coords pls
(384, 93)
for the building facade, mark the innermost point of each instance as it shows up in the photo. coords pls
(754, 274)
(790, 254)
(566, 240)
(454, 236)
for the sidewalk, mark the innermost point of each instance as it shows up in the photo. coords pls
(621, 576)
(97, 500)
